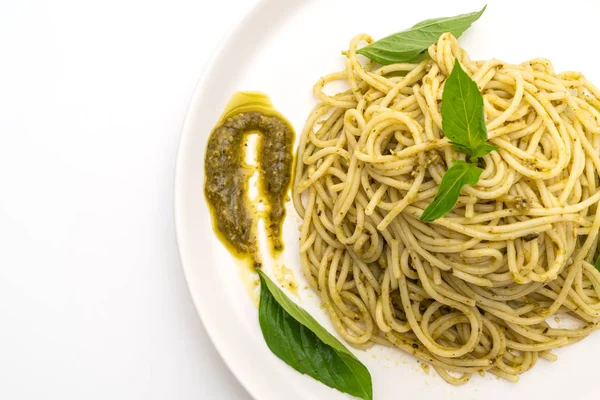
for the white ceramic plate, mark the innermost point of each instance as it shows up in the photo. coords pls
(281, 48)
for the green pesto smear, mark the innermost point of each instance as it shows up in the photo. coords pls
(226, 186)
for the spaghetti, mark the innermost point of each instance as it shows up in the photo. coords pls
(476, 290)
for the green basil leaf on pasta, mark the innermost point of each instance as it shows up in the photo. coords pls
(463, 120)
(407, 45)
(597, 265)
(302, 343)
(483, 149)
(460, 174)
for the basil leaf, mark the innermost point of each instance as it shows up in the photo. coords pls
(407, 45)
(483, 149)
(460, 174)
(463, 120)
(597, 264)
(298, 339)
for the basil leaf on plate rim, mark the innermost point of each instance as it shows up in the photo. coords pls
(300, 341)
(406, 45)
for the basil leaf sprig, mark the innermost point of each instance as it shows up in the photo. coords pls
(463, 122)
(298, 339)
(597, 264)
(407, 45)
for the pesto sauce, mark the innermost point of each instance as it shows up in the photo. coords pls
(233, 214)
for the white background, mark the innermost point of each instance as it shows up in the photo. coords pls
(93, 304)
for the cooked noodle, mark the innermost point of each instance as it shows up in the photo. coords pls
(473, 290)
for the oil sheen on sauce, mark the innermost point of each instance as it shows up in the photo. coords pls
(234, 214)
